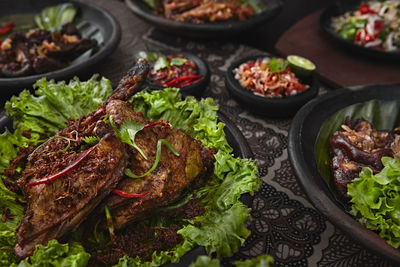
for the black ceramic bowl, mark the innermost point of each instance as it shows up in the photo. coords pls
(265, 106)
(240, 147)
(303, 134)
(102, 19)
(205, 30)
(195, 89)
(338, 9)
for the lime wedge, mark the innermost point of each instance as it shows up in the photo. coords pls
(300, 65)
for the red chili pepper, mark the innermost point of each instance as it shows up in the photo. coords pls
(7, 28)
(130, 195)
(378, 25)
(365, 9)
(57, 175)
(358, 36)
(1, 41)
(190, 78)
(162, 123)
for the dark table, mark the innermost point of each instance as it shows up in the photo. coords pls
(283, 222)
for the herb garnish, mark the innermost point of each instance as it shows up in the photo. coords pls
(276, 66)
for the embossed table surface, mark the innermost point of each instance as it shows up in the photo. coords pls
(283, 222)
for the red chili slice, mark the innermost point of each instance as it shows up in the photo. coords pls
(365, 9)
(57, 175)
(7, 28)
(130, 195)
(177, 81)
(162, 123)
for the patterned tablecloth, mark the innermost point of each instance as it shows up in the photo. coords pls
(283, 222)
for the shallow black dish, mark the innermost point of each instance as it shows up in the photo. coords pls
(240, 149)
(269, 107)
(102, 19)
(338, 9)
(204, 30)
(195, 89)
(302, 138)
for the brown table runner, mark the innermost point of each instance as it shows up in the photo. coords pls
(336, 66)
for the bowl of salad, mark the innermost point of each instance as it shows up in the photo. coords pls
(343, 147)
(182, 70)
(205, 18)
(370, 27)
(272, 87)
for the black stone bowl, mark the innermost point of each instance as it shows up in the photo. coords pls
(102, 19)
(195, 89)
(303, 134)
(338, 9)
(235, 139)
(266, 106)
(205, 30)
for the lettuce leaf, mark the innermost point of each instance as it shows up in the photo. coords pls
(376, 200)
(260, 261)
(205, 261)
(57, 255)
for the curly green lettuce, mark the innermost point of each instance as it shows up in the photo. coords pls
(57, 255)
(376, 200)
(222, 227)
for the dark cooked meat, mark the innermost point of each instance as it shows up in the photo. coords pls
(40, 51)
(59, 207)
(172, 175)
(56, 208)
(359, 145)
(200, 11)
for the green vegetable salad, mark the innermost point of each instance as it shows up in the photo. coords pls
(222, 227)
(376, 200)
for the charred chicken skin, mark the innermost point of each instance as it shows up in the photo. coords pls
(58, 207)
(360, 145)
(172, 175)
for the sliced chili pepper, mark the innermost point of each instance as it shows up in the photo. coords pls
(378, 25)
(57, 175)
(180, 79)
(7, 28)
(162, 123)
(130, 195)
(185, 83)
(365, 9)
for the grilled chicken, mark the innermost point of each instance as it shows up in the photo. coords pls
(172, 175)
(58, 207)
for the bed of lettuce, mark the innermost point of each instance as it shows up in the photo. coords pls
(222, 227)
(375, 201)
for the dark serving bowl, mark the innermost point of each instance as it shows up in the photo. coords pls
(265, 106)
(205, 30)
(195, 89)
(303, 135)
(235, 139)
(338, 9)
(106, 24)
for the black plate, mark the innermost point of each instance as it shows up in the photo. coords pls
(102, 19)
(195, 89)
(338, 9)
(269, 107)
(235, 139)
(302, 137)
(204, 30)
